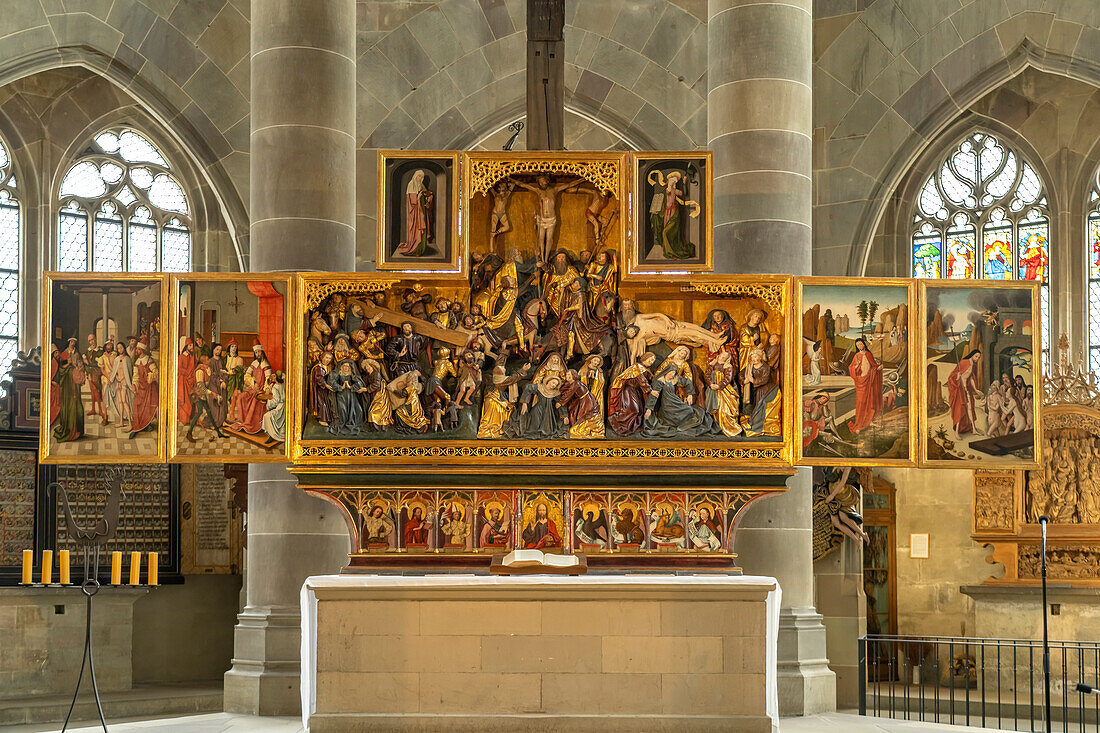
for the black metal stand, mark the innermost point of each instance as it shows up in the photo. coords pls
(90, 587)
(1046, 639)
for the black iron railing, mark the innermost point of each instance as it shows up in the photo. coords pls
(994, 683)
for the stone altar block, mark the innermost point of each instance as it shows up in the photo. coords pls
(517, 653)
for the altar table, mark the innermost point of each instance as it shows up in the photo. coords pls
(592, 652)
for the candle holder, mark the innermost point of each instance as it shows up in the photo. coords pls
(90, 541)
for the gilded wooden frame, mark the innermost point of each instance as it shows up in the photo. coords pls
(634, 266)
(481, 170)
(911, 365)
(290, 347)
(1037, 371)
(456, 264)
(49, 279)
(436, 456)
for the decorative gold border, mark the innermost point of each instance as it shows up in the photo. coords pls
(457, 263)
(1037, 364)
(634, 266)
(911, 365)
(440, 456)
(481, 171)
(290, 347)
(48, 280)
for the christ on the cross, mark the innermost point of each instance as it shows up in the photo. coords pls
(546, 215)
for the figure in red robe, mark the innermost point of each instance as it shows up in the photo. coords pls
(867, 374)
(185, 381)
(145, 390)
(962, 386)
(249, 407)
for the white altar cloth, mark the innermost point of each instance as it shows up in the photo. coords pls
(426, 584)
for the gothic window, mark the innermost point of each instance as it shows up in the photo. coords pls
(983, 214)
(122, 209)
(10, 257)
(1093, 247)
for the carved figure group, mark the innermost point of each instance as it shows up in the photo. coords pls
(1067, 487)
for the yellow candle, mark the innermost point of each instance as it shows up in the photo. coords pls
(116, 567)
(28, 562)
(63, 566)
(135, 568)
(154, 568)
(47, 567)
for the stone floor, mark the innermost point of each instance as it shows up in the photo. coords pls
(226, 723)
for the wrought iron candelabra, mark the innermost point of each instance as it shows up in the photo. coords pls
(91, 541)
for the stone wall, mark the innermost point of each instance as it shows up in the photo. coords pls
(891, 75)
(938, 503)
(1053, 121)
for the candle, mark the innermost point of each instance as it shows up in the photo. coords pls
(47, 567)
(154, 568)
(116, 567)
(135, 568)
(28, 561)
(63, 566)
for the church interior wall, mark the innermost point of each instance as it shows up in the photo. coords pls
(936, 503)
(184, 633)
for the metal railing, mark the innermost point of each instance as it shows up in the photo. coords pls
(979, 682)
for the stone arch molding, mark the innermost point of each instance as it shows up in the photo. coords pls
(185, 108)
(445, 74)
(881, 96)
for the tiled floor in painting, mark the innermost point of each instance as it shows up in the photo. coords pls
(226, 723)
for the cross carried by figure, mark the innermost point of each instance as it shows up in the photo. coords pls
(458, 336)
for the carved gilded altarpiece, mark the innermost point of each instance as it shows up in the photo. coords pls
(1065, 488)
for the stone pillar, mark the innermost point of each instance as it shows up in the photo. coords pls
(302, 206)
(759, 118)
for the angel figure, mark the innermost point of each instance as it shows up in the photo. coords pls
(703, 531)
(813, 353)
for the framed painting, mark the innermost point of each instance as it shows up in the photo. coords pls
(672, 221)
(106, 401)
(981, 370)
(418, 194)
(230, 348)
(494, 528)
(853, 371)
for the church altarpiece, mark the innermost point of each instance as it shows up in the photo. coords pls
(542, 339)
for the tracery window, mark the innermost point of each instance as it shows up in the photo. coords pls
(10, 256)
(983, 214)
(122, 209)
(1093, 245)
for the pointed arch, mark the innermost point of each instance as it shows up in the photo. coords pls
(12, 206)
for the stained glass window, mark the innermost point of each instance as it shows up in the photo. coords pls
(141, 220)
(984, 186)
(10, 257)
(1092, 232)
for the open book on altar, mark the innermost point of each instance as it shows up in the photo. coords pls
(524, 562)
(531, 558)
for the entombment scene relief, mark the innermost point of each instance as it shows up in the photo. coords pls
(1067, 488)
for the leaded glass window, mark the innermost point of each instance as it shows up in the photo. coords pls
(983, 214)
(122, 209)
(1093, 247)
(10, 257)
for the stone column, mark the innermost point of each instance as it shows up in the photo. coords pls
(759, 118)
(302, 206)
